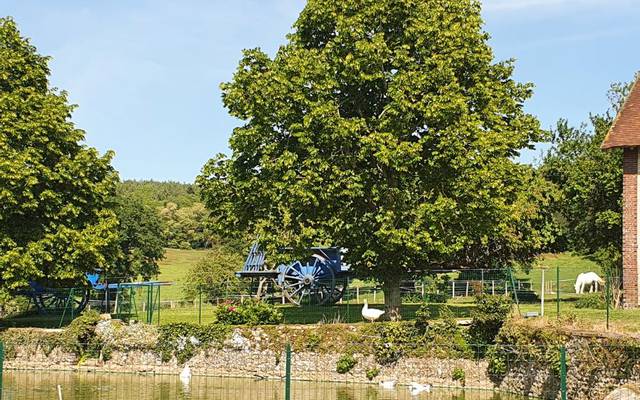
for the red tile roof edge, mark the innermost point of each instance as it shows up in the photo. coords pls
(625, 130)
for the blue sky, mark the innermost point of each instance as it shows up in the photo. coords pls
(146, 74)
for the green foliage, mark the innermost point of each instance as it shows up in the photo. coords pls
(372, 373)
(459, 375)
(588, 212)
(595, 301)
(80, 334)
(384, 127)
(488, 317)
(157, 194)
(345, 363)
(423, 314)
(182, 340)
(215, 275)
(249, 312)
(446, 339)
(391, 341)
(186, 227)
(140, 240)
(522, 343)
(313, 341)
(54, 190)
(183, 218)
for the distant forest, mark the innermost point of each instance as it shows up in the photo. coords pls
(182, 216)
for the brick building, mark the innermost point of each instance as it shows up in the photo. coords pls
(625, 134)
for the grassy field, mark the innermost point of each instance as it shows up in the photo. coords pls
(174, 267)
(177, 263)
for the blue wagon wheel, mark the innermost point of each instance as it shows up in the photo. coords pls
(310, 283)
(54, 300)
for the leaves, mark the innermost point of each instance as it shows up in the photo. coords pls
(54, 221)
(383, 127)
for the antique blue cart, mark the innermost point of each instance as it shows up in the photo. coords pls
(321, 279)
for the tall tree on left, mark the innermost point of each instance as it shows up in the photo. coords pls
(55, 220)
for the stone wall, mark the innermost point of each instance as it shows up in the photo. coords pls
(595, 368)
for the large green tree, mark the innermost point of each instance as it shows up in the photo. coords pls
(54, 219)
(387, 128)
(139, 238)
(588, 212)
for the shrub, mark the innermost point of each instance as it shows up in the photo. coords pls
(372, 373)
(215, 275)
(80, 335)
(392, 341)
(423, 314)
(345, 363)
(251, 312)
(459, 375)
(592, 300)
(488, 317)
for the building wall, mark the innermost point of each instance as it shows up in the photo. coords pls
(630, 224)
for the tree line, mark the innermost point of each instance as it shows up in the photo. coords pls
(384, 127)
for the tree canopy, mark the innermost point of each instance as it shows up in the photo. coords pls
(384, 127)
(588, 213)
(54, 219)
(139, 238)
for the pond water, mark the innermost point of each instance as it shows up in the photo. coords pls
(41, 385)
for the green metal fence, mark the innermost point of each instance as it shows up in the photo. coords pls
(431, 371)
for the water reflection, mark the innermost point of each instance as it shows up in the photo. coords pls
(41, 385)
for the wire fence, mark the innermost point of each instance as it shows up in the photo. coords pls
(544, 293)
(374, 367)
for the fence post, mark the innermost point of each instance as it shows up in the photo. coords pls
(1, 366)
(608, 283)
(558, 291)
(542, 287)
(287, 378)
(200, 306)
(563, 373)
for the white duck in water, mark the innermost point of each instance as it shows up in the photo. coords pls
(388, 384)
(371, 314)
(185, 375)
(417, 388)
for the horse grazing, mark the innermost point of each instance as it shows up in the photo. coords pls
(590, 280)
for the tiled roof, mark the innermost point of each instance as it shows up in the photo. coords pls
(625, 131)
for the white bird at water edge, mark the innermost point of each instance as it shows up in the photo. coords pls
(371, 314)
(388, 384)
(417, 388)
(185, 375)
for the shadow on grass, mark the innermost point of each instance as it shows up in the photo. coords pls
(35, 320)
(351, 313)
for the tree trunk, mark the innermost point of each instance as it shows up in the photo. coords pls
(392, 300)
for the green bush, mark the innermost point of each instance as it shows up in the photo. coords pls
(488, 317)
(392, 341)
(459, 375)
(250, 312)
(415, 298)
(345, 363)
(423, 314)
(80, 335)
(595, 301)
(372, 373)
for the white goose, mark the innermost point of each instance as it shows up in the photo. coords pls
(185, 375)
(371, 314)
(417, 388)
(388, 384)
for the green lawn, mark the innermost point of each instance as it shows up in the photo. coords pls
(174, 267)
(177, 264)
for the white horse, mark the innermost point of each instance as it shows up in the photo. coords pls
(590, 280)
